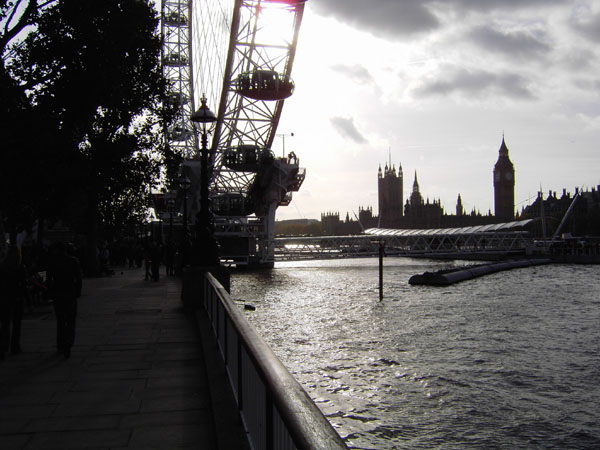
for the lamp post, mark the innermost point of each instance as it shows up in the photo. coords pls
(283, 136)
(170, 251)
(171, 205)
(160, 227)
(184, 185)
(202, 119)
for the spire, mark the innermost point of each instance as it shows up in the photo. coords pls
(503, 148)
(416, 183)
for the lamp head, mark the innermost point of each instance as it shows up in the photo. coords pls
(203, 115)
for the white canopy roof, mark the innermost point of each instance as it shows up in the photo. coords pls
(506, 226)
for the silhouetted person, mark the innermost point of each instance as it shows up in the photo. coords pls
(170, 258)
(130, 255)
(139, 255)
(64, 287)
(147, 262)
(13, 289)
(155, 258)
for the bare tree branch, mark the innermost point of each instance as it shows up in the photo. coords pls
(12, 14)
(26, 18)
(46, 3)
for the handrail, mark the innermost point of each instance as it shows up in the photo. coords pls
(276, 410)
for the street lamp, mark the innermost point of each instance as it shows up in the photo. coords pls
(283, 136)
(202, 119)
(171, 206)
(184, 184)
(170, 250)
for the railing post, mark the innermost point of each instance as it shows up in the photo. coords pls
(269, 418)
(225, 339)
(216, 316)
(240, 383)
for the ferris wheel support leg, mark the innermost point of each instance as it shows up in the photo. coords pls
(269, 245)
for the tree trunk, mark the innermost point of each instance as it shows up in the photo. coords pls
(92, 263)
(41, 225)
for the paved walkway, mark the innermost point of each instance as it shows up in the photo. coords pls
(137, 376)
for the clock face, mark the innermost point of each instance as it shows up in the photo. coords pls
(508, 176)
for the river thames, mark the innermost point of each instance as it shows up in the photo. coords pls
(506, 361)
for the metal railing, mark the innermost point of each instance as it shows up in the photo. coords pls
(277, 412)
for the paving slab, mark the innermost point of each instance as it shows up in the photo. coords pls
(138, 375)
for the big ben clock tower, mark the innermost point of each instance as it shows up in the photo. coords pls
(504, 186)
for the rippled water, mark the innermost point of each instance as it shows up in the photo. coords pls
(507, 361)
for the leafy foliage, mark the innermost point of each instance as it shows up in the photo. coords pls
(92, 76)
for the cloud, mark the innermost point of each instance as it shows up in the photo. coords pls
(398, 19)
(490, 5)
(394, 19)
(357, 73)
(587, 24)
(519, 44)
(347, 129)
(578, 59)
(588, 85)
(477, 82)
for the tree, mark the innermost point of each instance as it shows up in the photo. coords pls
(92, 73)
(15, 16)
(16, 212)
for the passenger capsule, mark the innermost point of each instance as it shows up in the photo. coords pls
(231, 204)
(179, 133)
(264, 85)
(175, 60)
(177, 99)
(246, 158)
(175, 19)
(287, 2)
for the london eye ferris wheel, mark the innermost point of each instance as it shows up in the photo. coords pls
(238, 55)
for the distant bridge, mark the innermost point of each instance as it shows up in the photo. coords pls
(482, 241)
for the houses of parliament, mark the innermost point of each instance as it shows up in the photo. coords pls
(549, 212)
(417, 213)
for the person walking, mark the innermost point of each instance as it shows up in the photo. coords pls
(155, 260)
(170, 258)
(64, 287)
(13, 289)
(147, 262)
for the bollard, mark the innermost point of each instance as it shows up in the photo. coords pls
(381, 254)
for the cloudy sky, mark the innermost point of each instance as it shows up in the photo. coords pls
(438, 83)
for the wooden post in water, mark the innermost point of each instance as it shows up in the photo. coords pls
(381, 253)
